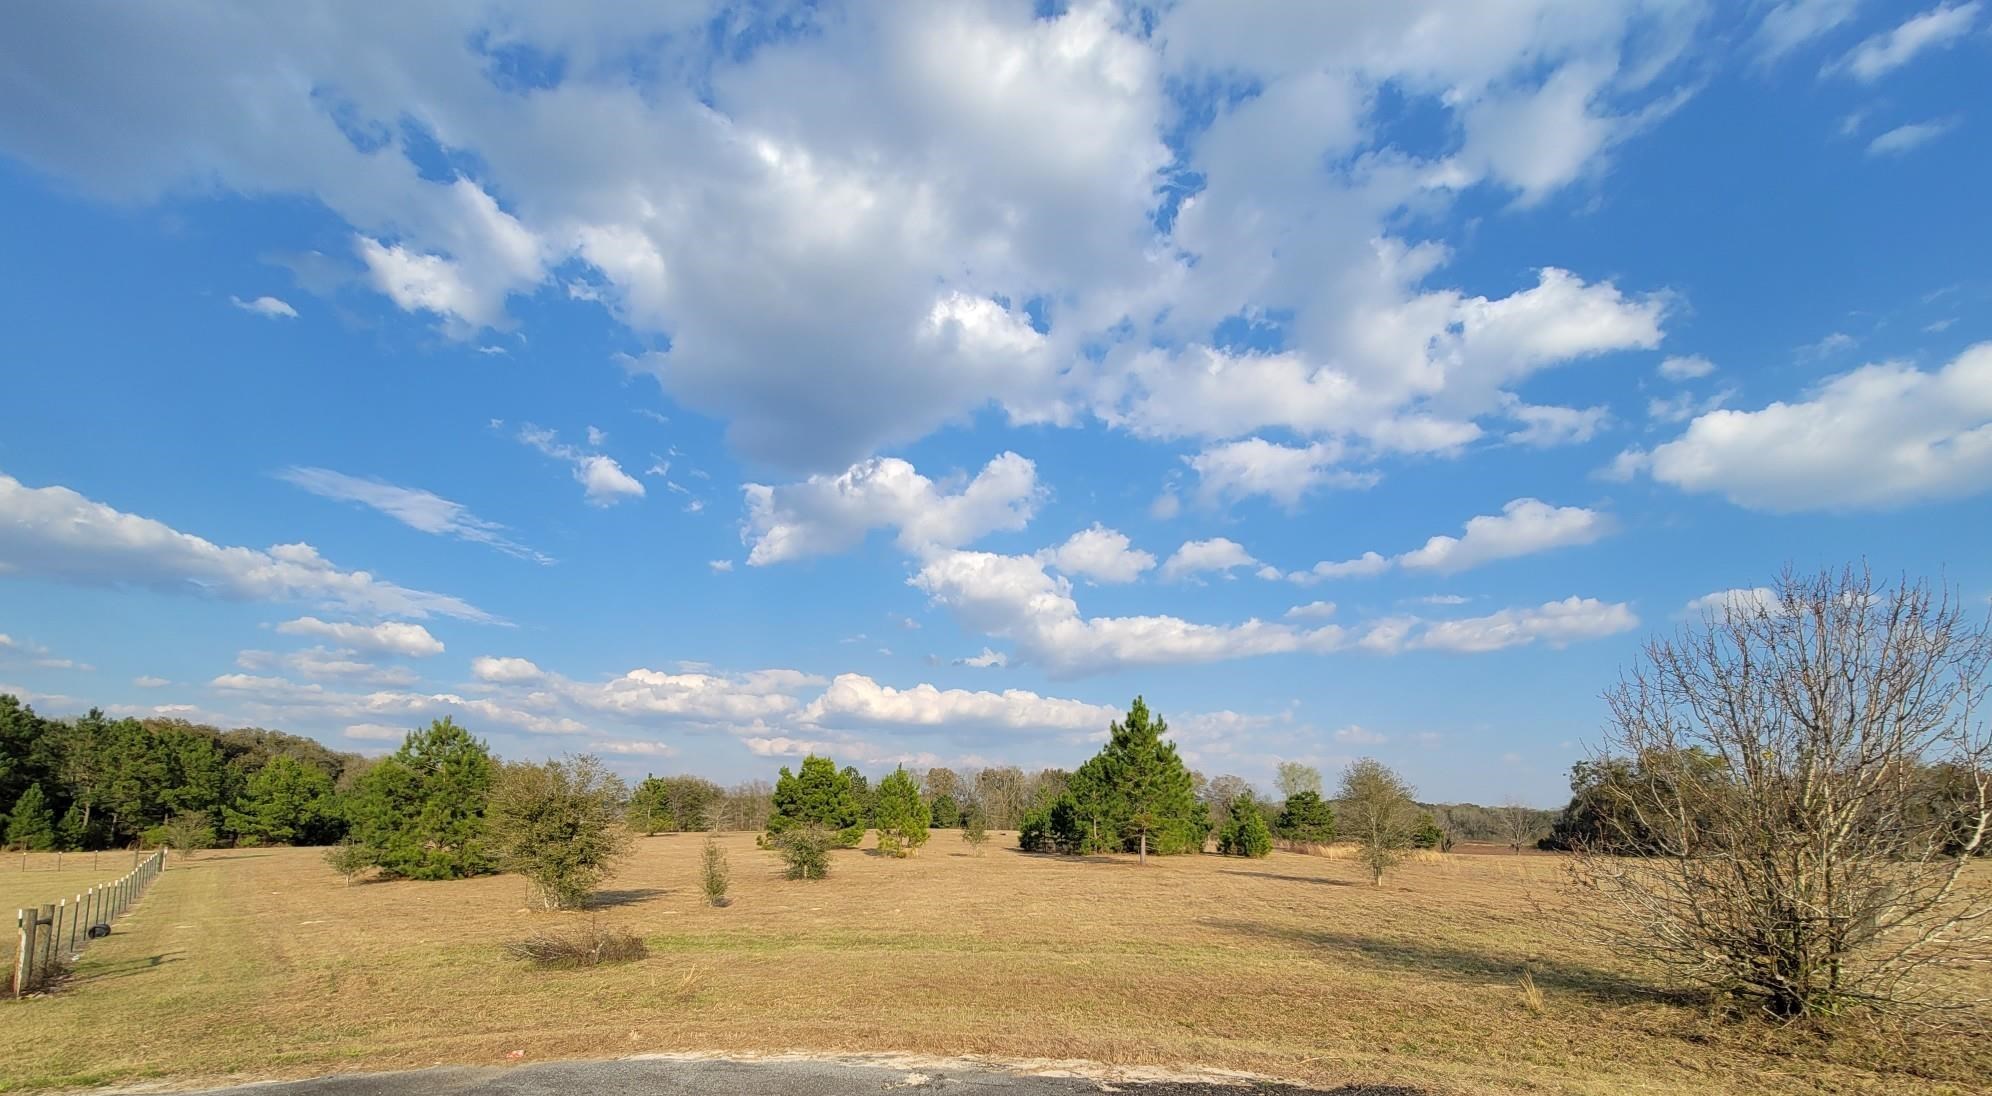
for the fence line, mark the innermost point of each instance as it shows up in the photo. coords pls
(54, 932)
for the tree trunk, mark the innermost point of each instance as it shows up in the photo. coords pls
(1144, 847)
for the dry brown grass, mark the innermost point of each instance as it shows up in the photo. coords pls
(42, 881)
(262, 963)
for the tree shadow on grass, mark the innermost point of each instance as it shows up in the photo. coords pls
(609, 899)
(1466, 964)
(1126, 859)
(1315, 879)
(87, 973)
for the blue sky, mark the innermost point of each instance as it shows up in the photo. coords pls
(919, 383)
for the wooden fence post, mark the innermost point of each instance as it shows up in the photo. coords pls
(46, 961)
(24, 960)
(61, 916)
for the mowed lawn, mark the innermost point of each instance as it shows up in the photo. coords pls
(261, 963)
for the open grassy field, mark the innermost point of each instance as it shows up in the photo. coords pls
(261, 963)
(42, 880)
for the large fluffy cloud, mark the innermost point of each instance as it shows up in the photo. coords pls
(1881, 436)
(1100, 554)
(842, 235)
(826, 514)
(53, 532)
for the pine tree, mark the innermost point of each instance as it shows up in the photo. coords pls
(818, 795)
(1245, 832)
(902, 816)
(286, 803)
(649, 811)
(1307, 819)
(29, 824)
(421, 809)
(947, 815)
(1136, 795)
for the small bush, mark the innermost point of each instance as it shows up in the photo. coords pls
(593, 946)
(805, 851)
(974, 831)
(187, 832)
(713, 872)
(350, 859)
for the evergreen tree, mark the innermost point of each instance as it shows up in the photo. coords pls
(29, 824)
(902, 816)
(1245, 832)
(862, 791)
(649, 810)
(75, 830)
(1427, 834)
(947, 815)
(422, 808)
(818, 795)
(287, 802)
(1307, 819)
(1136, 795)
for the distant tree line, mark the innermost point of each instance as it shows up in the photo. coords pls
(94, 782)
(425, 811)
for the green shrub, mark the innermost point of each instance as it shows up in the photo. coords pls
(713, 872)
(559, 824)
(1245, 832)
(805, 851)
(350, 860)
(187, 832)
(1052, 827)
(1427, 834)
(974, 833)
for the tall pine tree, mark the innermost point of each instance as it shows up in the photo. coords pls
(421, 810)
(1136, 795)
(29, 824)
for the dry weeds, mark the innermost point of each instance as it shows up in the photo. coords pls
(262, 963)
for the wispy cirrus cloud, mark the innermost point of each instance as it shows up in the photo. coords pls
(423, 511)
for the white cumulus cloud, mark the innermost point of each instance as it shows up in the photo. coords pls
(53, 532)
(827, 514)
(1882, 436)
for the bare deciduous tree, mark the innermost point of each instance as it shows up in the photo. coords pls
(1806, 774)
(1517, 824)
(1294, 778)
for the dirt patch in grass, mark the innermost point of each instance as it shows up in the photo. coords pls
(264, 964)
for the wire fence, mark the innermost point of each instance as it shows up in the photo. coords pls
(53, 935)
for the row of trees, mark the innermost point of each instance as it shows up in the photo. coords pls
(94, 782)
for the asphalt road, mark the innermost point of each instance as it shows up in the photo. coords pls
(777, 1077)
